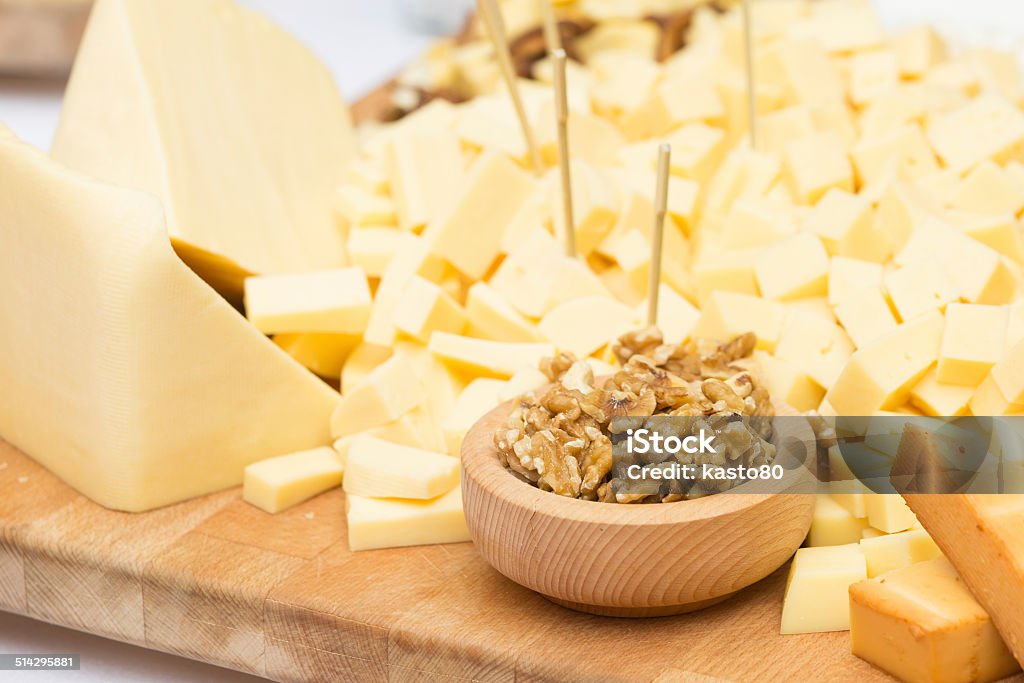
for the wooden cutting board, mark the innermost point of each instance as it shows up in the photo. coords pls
(217, 580)
(39, 38)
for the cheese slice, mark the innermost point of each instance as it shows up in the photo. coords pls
(331, 301)
(380, 469)
(123, 373)
(395, 522)
(276, 484)
(232, 123)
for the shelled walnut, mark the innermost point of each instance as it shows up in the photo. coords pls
(560, 437)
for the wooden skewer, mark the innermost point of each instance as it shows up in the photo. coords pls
(551, 35)
(748, 37)
(562, 113)
(491, 14)
(658, 234)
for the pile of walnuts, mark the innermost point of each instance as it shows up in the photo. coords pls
(559, 438)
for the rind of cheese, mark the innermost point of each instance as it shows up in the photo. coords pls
(380, 469)
(245, 157)
(276, 484)
(330, 301)
(395, 523)
(123, 373)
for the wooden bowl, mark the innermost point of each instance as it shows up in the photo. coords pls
(632, 560)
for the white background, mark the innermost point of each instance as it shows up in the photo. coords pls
(364, 42)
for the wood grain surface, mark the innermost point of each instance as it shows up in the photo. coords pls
(39, 38)
(219, 581)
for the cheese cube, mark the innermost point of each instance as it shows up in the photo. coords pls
(816, 164)
(792, 269)
(989, 399)
(533, 216)
(583, 326)
(903, 149)
(592, 139)
(389, 391)
(361, 207)
(479, 398)
(893, 551)
(426, 171)
(816, 591)
(682, 195)
(919, 288)
(702, 103)
(932, 397)
(815, 345)
(999, 128)
(394, 522)
(424, 308)
(595, 205)
(865, 316)
(888, 512)
(807, 74)
(725, 270)
(491, 317)
(524, 381)
(920, 623)
(843, 221)
(848, 276)
(833, 524)
(756, 222)
(880, 375)
(788, 383)
(1000, 232)
(336, 301)
(469, 234)
(415, 428)
(989, 189)
(817, 306)
(484, 357)
(972, 343)
(845, 26)
(917, 50)
(1008, 374)
(872, 73)
(323, 354)
(360, 363)
(696, 151)
(633, 256)
(677, 317)
(902, 209)
(726, 315)
(276, 484)
(380, 469)
(371, 248)
(412, 258)
(743, 173)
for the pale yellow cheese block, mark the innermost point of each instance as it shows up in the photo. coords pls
(888, 512)
(479, 397)
(324, 354)
(381, 469)
(372, 247)
(583, 326)
(394, 522)
(330, 301)
(891, 551)
(788, 383)
(491, 317)
(794, 268)
(426, 170)
(424, 308)
(232, 123)
(816, 591)
(390, 390)
(921, 624)
(485, 357)
(865, 315)
(279, 483)
(833, 524)
(124, 373)
(974, 341)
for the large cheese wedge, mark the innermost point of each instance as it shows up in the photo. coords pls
(230, 121)
(122, 372)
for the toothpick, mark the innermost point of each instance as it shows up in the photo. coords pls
(551, 35)
(748, 37)
(658, 234)
(562, 113)
(491, 15)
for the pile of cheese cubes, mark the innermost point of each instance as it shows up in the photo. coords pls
(872, 239)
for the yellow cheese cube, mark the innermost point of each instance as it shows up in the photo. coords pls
(696, 151)
(595, 205)
(702, 103)
(902, 209)
(893, 551)
(816, 306)
(730, 270)
(390, 390)
(917, 50)
(989, 189)
(921, 624)
(756, 222)
(805, 71)
(682, 195)
(843, 221)
(881, 374)
(989, 399)
(816, 591)
(583, 326)
(491, 317)
(426, 171)
(323, 354)
(816, 164)
(866, 316)
(792, 269)
(833, 524)
(366, 173)
(845, 26)
(360, 363)
(788, 383)
(381, 469)
(469, 234)
(848, 277)
(424, 308)
(817, 346)
(972, 343)
(872, 74)
(372, 247)
(336, 301)
(677, 317)
(727, 314)
(479, 398)
(534, 215)
(412, 258)
(415, 428)
(592, 139)
(277, 484)
(524, 381)
(932, 397)
(485, 357)
(743, 173)
(393, 522)
(361, 207)
(904, 149)
(998, 127)
(1008, 374)
(1000, 232)
(919, 288)
(888, 512)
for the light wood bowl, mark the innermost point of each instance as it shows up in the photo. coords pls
(632, 560)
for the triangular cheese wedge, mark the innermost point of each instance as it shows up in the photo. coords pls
(120, 370)
(227, 119)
